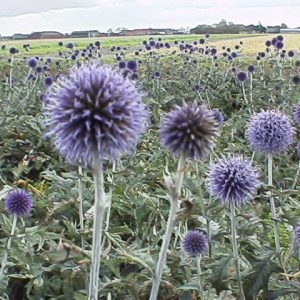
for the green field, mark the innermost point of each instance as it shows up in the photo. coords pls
(48, 47)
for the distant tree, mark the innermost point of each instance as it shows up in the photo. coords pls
(283, 26)
(109, 31)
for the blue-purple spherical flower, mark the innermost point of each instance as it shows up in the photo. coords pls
(218, 115)
(297, 113)
(94, 112)
(70, 45)
(190, 130)
(32, 62)
(233, 180)
(194, 243)
(13, 50)
(242, 76)
(269, 132)
(18, 202)
(48, 81)
(251, 68)
(298, 149)
(279, 45)
(132, 65)
(297, 234)
(296, 79)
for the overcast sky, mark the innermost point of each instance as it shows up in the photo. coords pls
(26, 16)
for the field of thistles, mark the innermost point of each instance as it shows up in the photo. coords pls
(167, 168)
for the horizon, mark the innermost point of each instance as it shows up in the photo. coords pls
(125, 28)
(76, 15)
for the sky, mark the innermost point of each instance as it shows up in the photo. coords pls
(20, 16)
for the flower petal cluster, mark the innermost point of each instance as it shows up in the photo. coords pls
(94, 112)
(297, 234)
(32, 62)
(194, 243)
(269, 132)
(233, 180)
(18, 202)
(297, 113)
(190, 130)
(219, 117)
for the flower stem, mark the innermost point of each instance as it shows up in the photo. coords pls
(81, 217)
(272, 204)
(80, 198)
(235, 250)
(12, 233)
(100, 206)
(11, 70)
(296, 177)
(244, 93)
(199, 277)
(169, 229)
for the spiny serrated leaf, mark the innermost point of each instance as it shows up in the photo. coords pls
(259, 278)
(221, 272)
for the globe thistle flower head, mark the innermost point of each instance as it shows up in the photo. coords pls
(291, 53)
(279, 44)
(39, 69)
(94, 112)
(297, 113)
(18, 202)
(234, 54)
(279, 38)
(296, 79)
(97, 43)
(32, 62)
(269, 132)
(194, 243)
(298, 149)
(273, 41)
(132, 65)
(13, 50)
(297, 234)
(48, 81)
(190, 130)
(242, 76)
(122, 64)
(233, 180)
(218, 115)
(196, 87)
(268, 43)
(156, 74)
(70, 45)
(251, 68)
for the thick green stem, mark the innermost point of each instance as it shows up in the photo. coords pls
(12, 233)
(272, 204)
(100, 207)
(169, 229)
(199, 273)
(235, 250)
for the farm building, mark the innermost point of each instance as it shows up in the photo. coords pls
(148, 31)
(20, 36)
(87, 33)
(290, 30)
(46, 35)
(273, 29)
